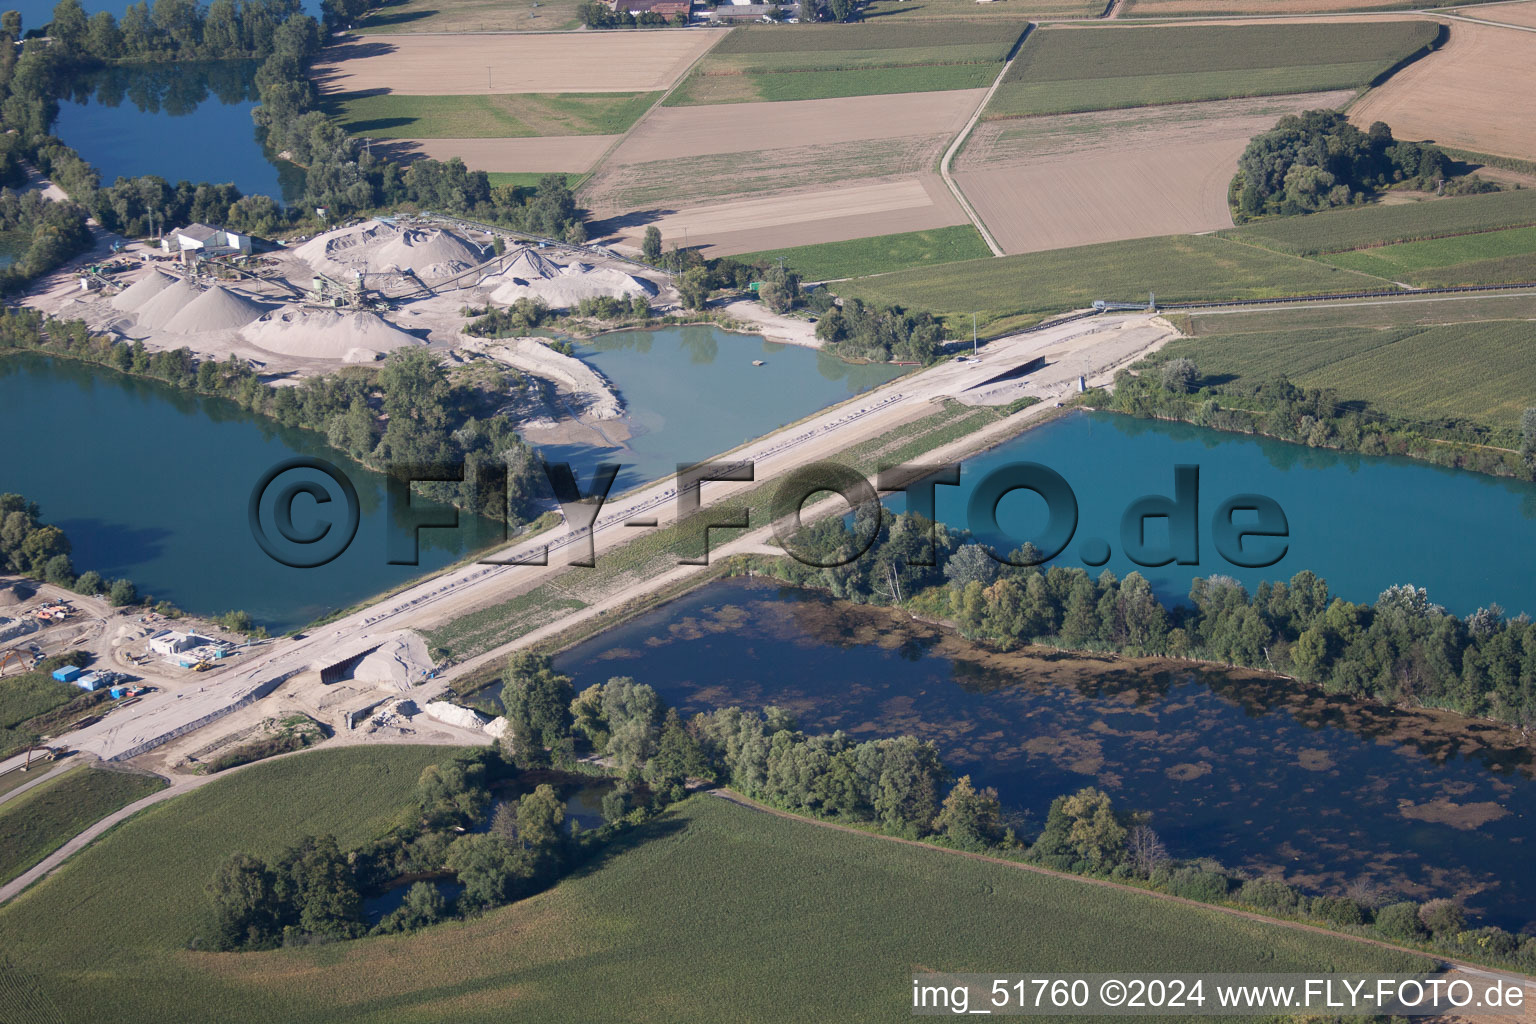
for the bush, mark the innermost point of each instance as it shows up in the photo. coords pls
(1442, 917)
(1401, 921)
(1338, 910)
(1193, 883)
(1269, 894)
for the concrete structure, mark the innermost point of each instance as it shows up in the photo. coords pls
(205, 238)
(174, 642)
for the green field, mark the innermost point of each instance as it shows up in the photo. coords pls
(880, 254)
(1176, 267)
(1511, 249)
(392, 116)
(1358, 228)
(1483, 372)
(30, 694)
(1063, 70)
(801, 62)
(44, 818)
(530, 179)
(722, 913)
(1405, 312)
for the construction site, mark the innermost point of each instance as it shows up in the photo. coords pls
(347, 296)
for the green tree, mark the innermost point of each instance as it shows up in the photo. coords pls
(1181, 375)
(537, 701)
(694, 288)
(651, 246)
(490, 870)
(539, 815)
(243, 903)
(971, 818)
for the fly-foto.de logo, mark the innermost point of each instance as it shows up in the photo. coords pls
(304, 513)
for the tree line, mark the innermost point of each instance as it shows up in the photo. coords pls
(1175, 389)
(31, 547)
(1317, 160)
(404, 412)
(1400, 649)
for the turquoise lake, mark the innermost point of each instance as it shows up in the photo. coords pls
(1362, 522)
(152, 484)
(692, 392)
(187, 122)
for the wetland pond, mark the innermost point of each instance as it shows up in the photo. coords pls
(1254, 772)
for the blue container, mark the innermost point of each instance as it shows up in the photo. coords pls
(67, 674)
(90, 681)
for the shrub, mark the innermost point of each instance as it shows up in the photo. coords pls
(1269, 894)
(1442, 917)
(1401, 921)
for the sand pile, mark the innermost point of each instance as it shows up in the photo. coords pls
(327, 334)
(217, 309)
(9, 596)
(142, 290)
(427, 254)
(531, 276)
(161, 309)
(452, 714)
(398, 663)
(336, 252)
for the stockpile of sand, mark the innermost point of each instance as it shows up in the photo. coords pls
(400, 662)
(327, 334)
(162, 308)
(427, 254)
(531, 276)
(142, 290)
(336, 252)
(217, 309)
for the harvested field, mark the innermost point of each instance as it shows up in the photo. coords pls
(806, 218)
(396, 16)
(1478, 93)
(386, 115)
(1073, 179)
(864, 59)
(570, 153)
(670, 133)
(680, 157)
(1521, 13)
(943, 10)
(1167, 8)
(455, 66)
(1067, 69)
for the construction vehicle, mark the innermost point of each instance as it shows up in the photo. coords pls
(16, 656)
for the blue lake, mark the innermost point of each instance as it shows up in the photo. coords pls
(187, 122)
(1362, 522)
(1252, 771)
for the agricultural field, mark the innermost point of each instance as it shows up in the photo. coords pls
(45, 817)
(1478, 92)
(879, 255)
(750, 169)
(490, 65)
(397, 16)
(1483, 372)
(812, 217)
(805, 62)
(573, 154)
(830, 911)
(1470, 256)
(383, 115)
(1061, 180)
(1009, 290)
(1521, 12)
(967, 10)
(24, 697)
(1379, 225)
(1067, 69)
(1213, 8)
(1404, 312)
